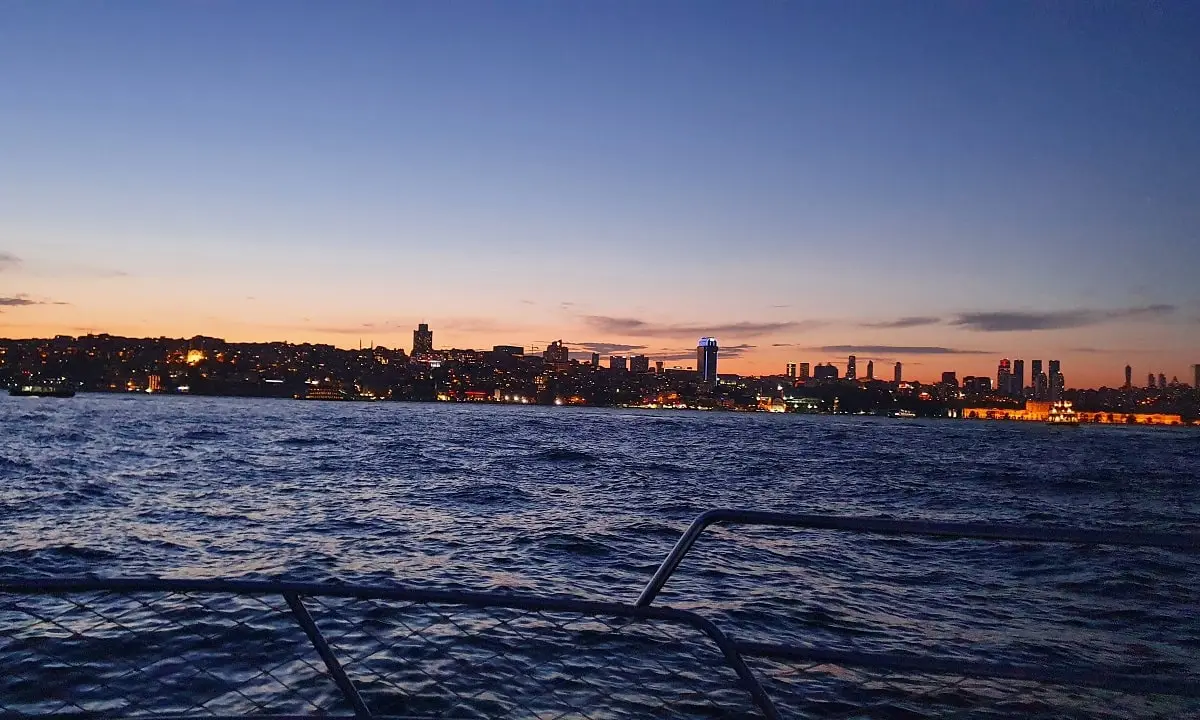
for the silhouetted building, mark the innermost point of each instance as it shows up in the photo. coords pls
(509, 349)
(791, 370)
(825, 372)
(851, 369)
(557, 353)
(1149, 381)
(618, 363)
(1018, 379)
(1128, 377)
(981, 385)
(898, 373)
(658, 367)
(1038, 380)
(1057, 382)
(639, 364)
(870, 370)
(595, 359)
(706, 360)
(950, 378)
(1196, 377)
(1004, 377)
(422, 339)
(1162, 381)
(804, 372)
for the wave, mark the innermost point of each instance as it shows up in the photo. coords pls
(203, 434)
(563, 455)
(305, 441)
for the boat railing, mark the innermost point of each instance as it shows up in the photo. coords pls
(99, 647)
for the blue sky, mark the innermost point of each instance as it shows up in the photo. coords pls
(789, 173)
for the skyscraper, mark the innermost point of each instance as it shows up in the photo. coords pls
(950, 378)
(1149, 381)
(595, 359)
(658, 364)
(618, 362)
(1003, 377)
(851, 369)
(639, 364)
(805, 371)
(791, 370)
(422, 339)
(706, 360)
(1196, 377)
(1057, 382)
(1162, 381)
(899, 373)
(1018, 379)
(1128, 377)
(870, 370)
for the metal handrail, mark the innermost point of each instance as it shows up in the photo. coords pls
(889, 526)
(293, 591)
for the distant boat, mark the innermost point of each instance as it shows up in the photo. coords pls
(1062, 413)
(44, 389)
(903, 413)
(323, 392)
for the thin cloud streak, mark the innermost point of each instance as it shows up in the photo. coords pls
(18, 301)
(642, 328)
(1010, 321)
(904, 322)
(8, 261)
(898, 350)
(603, 347)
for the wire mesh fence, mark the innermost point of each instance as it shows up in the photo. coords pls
(105, 653)
(842, 691)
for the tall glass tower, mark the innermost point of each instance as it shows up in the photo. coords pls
(706, 360)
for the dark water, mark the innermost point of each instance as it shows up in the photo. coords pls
(585, 503)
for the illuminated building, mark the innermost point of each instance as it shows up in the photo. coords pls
(195, 357)
(870, 370)
(1057, 382)
(618, 362)
(557, 353)
(950, 378)
(595, 359)
(1038, 380)
(1039, 411)
(851, 369)
(791, 370)
(639, 364)
(981, 385)
(154, 384)
(1162, 381)
(422, 340)
(804, 371)
(1004, 377)
(1128, 377)
(506, 349)
(706, 360)
(898, 373)
(1018, 379)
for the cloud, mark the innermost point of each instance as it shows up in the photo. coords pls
(603, 347)
(904, 322)
(725, 353)
(1054, 320)
(642, 328)
(18, 301)
(8, 261)
(898, 350)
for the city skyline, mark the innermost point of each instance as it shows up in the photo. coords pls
(849, 181)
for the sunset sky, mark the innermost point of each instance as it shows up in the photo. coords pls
(940, 183)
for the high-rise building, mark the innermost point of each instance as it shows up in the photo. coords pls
(595, 359)
(618, 362)
(825, 372)
(1196, 377)
(706, 360)
(1018, 379)
(639, 364)
(1004, 377)
(1128, 377)
(950, 378)
(422, 339)
(556, 352)
(851, 369)
(1162, 381)
(981, 385)
(658, 367)
(899, 373)
(1037, 380)
(870, 370)
(1057, 382)
(1149, 381)
(804, 371)
(791, 370)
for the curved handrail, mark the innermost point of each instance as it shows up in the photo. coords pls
(889, 526)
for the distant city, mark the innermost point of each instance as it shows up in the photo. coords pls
(509, 374)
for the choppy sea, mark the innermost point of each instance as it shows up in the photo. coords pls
(585, 502)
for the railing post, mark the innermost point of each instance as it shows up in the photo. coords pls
(331, 662)
(671, 562)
